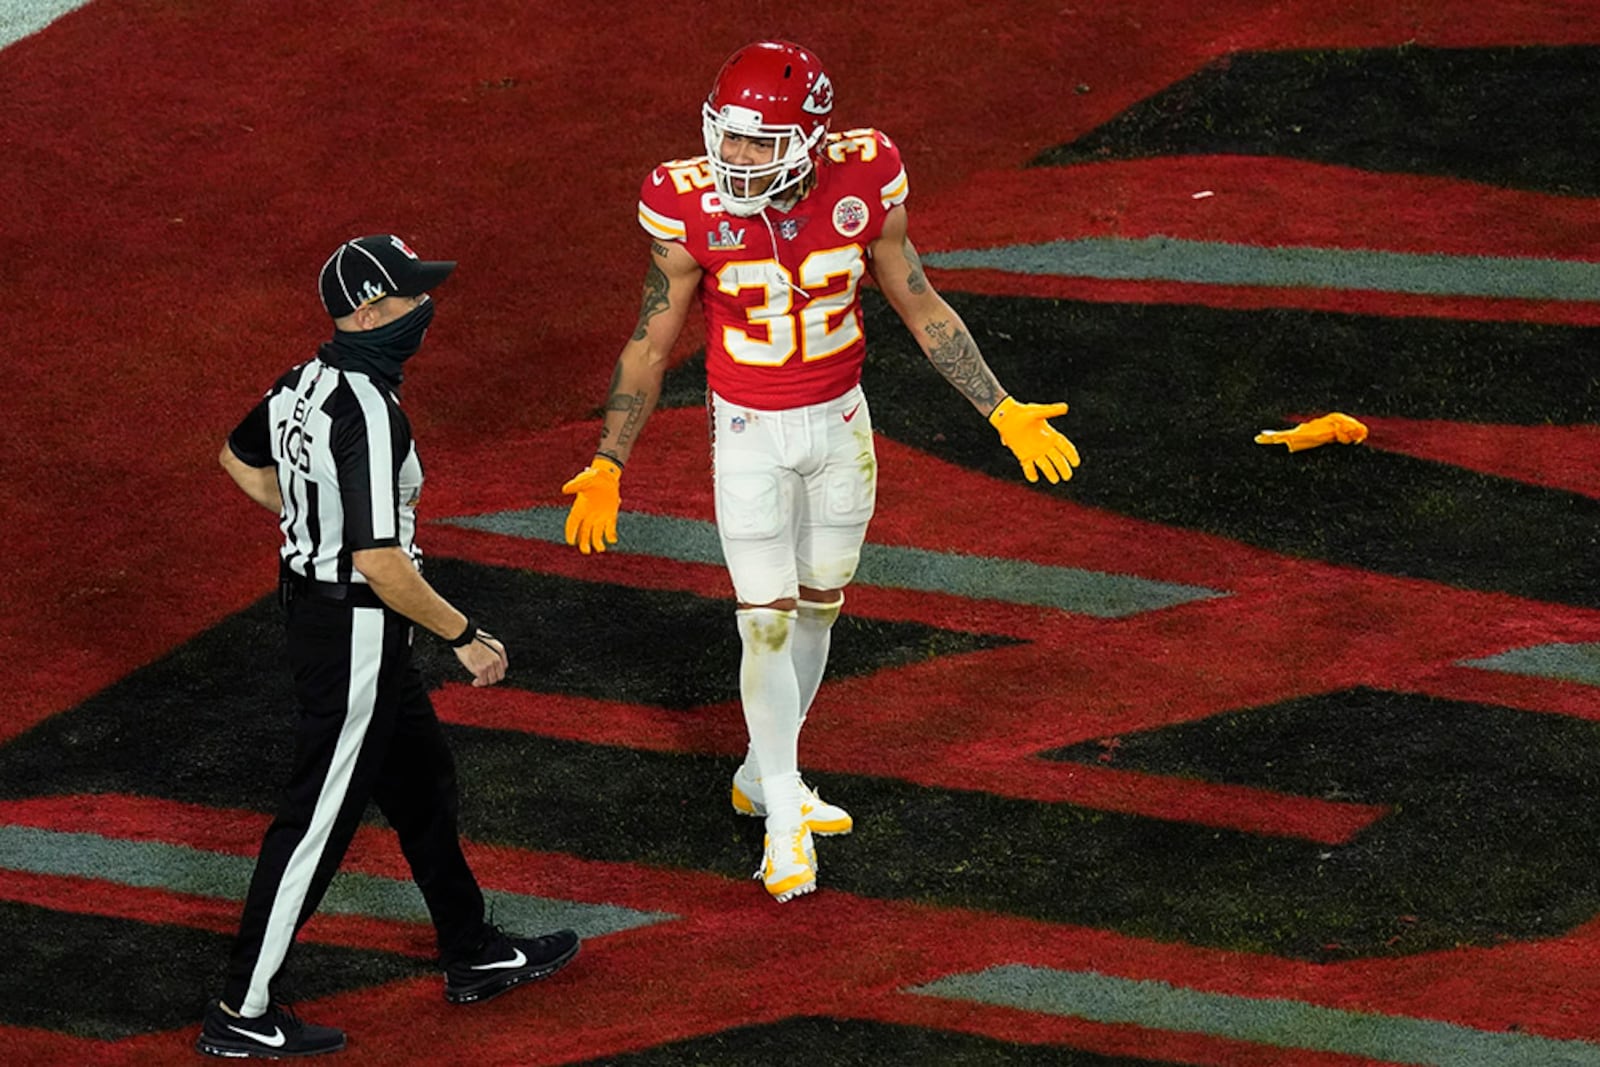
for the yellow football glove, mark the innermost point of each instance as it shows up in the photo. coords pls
(1037, 445)
(593, 518)
(1334, 426)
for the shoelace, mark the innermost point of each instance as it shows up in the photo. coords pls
(284, 1014)
(493, 935)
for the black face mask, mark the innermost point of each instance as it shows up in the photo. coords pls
(380, 352)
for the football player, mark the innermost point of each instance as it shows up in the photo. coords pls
(774, 229)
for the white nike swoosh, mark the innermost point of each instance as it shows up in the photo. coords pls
(657, 178)
(515, 961)
(272, 1040)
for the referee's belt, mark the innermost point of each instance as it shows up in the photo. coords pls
(292, 586)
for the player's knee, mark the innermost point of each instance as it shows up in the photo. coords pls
(828, 567)
(781, 604)
(766, 629)
(827, 560)
(820, 605)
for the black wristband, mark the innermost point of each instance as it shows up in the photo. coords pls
(469, 635)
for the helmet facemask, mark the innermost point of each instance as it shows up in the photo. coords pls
(794, 155)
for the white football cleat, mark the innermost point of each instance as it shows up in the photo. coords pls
(820, 817)
(789, 867)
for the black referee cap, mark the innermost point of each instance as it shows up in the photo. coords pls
(371, 268)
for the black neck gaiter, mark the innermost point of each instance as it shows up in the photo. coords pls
(379, 353)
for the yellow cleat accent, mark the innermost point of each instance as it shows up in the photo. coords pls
(789, 865)
(820, 817)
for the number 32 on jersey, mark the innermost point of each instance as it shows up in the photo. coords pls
(825, 325)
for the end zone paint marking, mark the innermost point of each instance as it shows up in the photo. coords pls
(1012, 581)
(180, 869)
(1267, 1021)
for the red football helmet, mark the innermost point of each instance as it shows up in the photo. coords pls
(769, 90)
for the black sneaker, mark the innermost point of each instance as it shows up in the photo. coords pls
(505, 962)
(273, 1036)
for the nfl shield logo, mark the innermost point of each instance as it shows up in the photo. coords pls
(737, 424)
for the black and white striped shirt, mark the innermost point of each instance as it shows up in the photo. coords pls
(347, 467)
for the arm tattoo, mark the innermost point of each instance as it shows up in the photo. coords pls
(616, 376)
(958, 359)
(655, 299)
(916, 281)
(634, 406)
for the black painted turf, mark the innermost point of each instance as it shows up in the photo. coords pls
(104, 978)
(1166, 400)
(1524, 117)
(1489, 845)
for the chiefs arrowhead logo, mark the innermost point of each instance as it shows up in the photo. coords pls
(819, 101)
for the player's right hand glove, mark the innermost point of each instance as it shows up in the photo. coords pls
(1037, 445)
(593, 518)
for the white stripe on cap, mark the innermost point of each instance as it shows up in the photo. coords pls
(338, 272)
(337, 254)
(377, 263)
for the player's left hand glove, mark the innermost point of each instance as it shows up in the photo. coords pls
(1037, 445)
(593, 518)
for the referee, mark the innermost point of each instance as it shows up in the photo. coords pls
(329, 451)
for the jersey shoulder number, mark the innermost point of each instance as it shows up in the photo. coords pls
(875, 156)
(863, 143)
(673, 194)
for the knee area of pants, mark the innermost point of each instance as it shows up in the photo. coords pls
(819, 568)
(766, 629)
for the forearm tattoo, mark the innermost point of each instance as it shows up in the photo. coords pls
(916, 281)
(632, 405)
(611, 391)
(958, 359)
(655, 297)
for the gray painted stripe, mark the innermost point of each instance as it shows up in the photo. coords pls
(975, 577)
(1281, 1023)
(1218, 263)
(1567, 663)
(19, 18)
(180, 869)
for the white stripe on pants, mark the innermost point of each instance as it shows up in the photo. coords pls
(366, 656)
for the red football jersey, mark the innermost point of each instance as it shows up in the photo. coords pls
(781, 292)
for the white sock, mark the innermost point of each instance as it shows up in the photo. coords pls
(813, 636)
(772, 708)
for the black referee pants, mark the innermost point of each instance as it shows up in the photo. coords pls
(365, 730)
